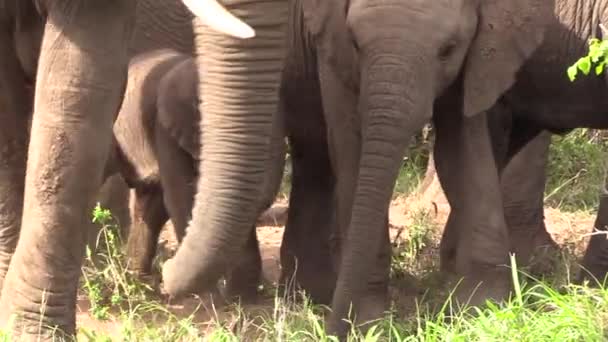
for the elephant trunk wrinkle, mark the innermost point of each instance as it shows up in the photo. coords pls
(239, 98)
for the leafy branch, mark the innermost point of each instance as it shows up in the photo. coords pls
(597, 57)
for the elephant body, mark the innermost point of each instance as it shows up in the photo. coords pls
(541, 100)
(73, 56)
(157, 151)
(376, 76)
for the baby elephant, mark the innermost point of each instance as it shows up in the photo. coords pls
(157, 152)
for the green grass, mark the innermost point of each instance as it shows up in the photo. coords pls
(551, 309)
(576, 170)
(536, 312)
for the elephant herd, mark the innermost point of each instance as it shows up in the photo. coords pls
(193, 112)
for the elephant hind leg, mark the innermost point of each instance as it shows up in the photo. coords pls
(523, 186)
(15, 106)
(148, 216)
(306, 253)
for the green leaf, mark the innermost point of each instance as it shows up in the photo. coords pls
(572, 71)
(599, 68)
(584, 65)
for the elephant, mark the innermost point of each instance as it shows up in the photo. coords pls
(542, 99)
(157, 150)
(377, 85)
(521, 155)
(65, 66)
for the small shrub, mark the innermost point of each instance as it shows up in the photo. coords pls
(407, 252)
(107, 280)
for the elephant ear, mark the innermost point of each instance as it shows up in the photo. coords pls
(508, 33)
(177, 105)
(325, 24)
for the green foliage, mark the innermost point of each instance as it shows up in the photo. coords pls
(576, 169)
(596, 58)
(414, 165)
(107, 281)
(406, 253)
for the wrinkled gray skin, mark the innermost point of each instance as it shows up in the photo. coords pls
(542, 98)
(77, 51)
(521, 166)
(370, 120)
(157, 154)
(239, 92)
(521, 154)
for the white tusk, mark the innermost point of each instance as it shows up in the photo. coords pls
(218, 18)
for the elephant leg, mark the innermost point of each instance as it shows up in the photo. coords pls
(178, 174)
(523, 184)
(445, 161)
(15, 106)
(305, 250)
(499, 120)
(81, 78)
(243, 280)
(340, 107)
(595, 261)
(148, 215)
(473, 190)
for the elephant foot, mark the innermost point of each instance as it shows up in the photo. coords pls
(534, 247)
(50, 318)
(372, 308)
(316, 281)
(242, 285)
(484, 283)
(243, 280)
(148, 279)
(447, 259)
(594, 267)
(544, 255)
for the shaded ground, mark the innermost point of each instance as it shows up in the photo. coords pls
(566, 228)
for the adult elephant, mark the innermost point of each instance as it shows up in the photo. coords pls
(77, 52)
(379, 81)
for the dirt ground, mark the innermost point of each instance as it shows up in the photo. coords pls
(566, 228)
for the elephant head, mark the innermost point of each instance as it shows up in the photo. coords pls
(401, 56)
(239, 96)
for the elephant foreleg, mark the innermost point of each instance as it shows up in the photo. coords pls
(178, 172)
(81, 77)
(340, 109)
(473, 191)
(148, 215)
(15, 106)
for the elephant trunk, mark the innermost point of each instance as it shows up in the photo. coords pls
(395, 102)
(239, 96)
